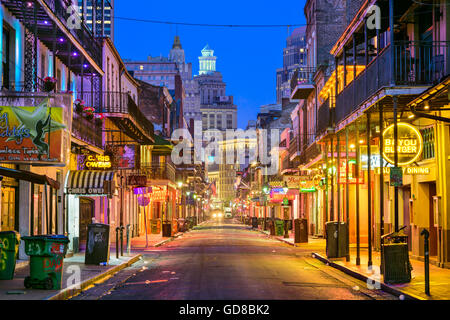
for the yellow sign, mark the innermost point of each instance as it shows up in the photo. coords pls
(98, 162)
(407, 170)
(409, 144)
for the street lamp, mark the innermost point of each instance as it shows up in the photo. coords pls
(180, 184)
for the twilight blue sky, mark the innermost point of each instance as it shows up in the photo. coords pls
(247, 57)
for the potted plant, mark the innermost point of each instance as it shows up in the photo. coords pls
(79, 106)
(49, 84)
(99, 119)
(89, 113)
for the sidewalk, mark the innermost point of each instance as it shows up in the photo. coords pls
(154, 240)
(439, 277)
(15, 290)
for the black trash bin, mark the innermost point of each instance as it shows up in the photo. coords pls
(254, 222)
(166, 229)
(396, 265)
(97, 245)
(337, 239)
(181, 225)
(301, 230)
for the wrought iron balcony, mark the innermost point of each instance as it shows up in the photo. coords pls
(158, 171)
(86, 130)
(294, 148)
(302, 83)
(52, 23)
(324, 117)
(122, 109)
(415, 64)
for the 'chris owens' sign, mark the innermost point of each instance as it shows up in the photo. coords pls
(409, 144)
(94, 162)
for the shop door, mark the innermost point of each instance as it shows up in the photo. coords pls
(8, 208)
(86, 215)
(432, 228)
(406, 213)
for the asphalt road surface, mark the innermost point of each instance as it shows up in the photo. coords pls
(224, 260)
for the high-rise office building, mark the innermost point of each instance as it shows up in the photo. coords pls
(101, 11)
(294, 57)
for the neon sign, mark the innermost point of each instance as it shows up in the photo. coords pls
(409, 144)
(98, 162)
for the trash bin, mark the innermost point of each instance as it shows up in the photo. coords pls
(97, 245)
(337, 239)
(46, 261)
(181, 225)
(254, 222)
(9, 246)
(396, 265)
(301, 230)
(155, 226)
(279, 226)
(167, 229)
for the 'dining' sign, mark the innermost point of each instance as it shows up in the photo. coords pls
(409, 144)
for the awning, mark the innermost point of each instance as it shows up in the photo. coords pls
(87, 182)
(28, 176)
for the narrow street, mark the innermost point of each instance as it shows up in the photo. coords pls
(225, 260)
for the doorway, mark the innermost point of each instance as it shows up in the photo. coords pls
(406, 213)
(8, 217)
(86, 215)
(432, 227)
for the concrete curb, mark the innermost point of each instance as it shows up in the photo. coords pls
(168, 240)
(276, 238)
(362, 277)
(68, 293)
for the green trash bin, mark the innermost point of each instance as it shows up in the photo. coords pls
(46, 261)
(9, 246)
(279, 227)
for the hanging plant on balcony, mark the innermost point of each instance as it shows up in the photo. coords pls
(89, 113)
(79, 106)
(99, 119)
(49, 84)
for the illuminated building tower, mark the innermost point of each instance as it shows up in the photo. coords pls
(207, 61)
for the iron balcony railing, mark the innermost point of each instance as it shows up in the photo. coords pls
(119, 103)
(89, 131)
(302, 75)
(159, 171)
(324, 117)
(293, 147)
(286, 163)
(414, 64)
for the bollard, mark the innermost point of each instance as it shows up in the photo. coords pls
(117, 242)
(426, 235)
(128, 238)
(121, 240)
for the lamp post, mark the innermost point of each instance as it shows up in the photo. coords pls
(265, 192)
(286, 211)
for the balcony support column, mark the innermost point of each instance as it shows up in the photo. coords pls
(347, 194)
(369, 192)
(380, 109)
(332, 181)
(344, 56)
(326, 183)
(395, 100)
(338, 176)
(391, 40)
(30, 52)
(358, 233)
